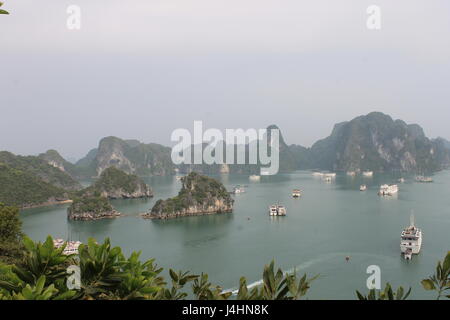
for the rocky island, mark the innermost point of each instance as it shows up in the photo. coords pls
(91, 207)
(199, 195)
(114, 183)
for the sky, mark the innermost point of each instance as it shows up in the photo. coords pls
(143, 68)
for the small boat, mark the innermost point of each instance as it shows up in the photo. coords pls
(411, 240)
(277, 210)
(238, 189)
(317, 174)
(351, 173)
(296, 193)
(254, 177)
(424, 179)
(363, 187)
(388, 190)
(401, 180)
(368, 173)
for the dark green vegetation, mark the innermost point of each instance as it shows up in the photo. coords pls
(11, 249)
(24, 189)
(30, 181)
(199, 194)
(32, 271)
(3, 11)
(106, 274)
(114, 183)
(92, 203)
(41, 169)
(373, 142)
(440, 280)
(95, 204)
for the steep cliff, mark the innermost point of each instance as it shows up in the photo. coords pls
(117, 184)
(91, 207)
(130, 156)
(24, 189)
(377, 142)
(199, 195)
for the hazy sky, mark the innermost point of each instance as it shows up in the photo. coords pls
(142, 68)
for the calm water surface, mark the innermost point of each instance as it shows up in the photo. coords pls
(330, 221)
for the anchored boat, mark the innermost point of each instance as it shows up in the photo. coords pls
(388, 190)
(424, 179)
(238, 189)
(368, 173)
(277, 210)
(296, 193)
(363, 187)
(411, 240)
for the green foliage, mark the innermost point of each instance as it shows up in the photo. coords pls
(276, 286)
(386, 294)
(113, 179)
(20, 188)
(204, 290)
(197, 190)
(11, 247)
(440, 281)
(3, 11)
(39, 168)
(94, 203)
(107, 274)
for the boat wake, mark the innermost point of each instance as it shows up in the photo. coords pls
(297, 268)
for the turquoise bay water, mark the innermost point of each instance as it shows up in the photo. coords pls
(330, 221)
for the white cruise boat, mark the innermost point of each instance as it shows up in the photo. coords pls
(368, 173)
(277, 210)
(411, 240)
(317, 174)
(424, 179)
(388, 190)
(296, 193)
(238, 189)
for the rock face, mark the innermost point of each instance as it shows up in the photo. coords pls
(199, 195)
(93, 207)
(116, 184)
(53, 158)
(130, 156)
(378, 143)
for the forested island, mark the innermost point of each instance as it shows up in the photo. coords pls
(199, 195)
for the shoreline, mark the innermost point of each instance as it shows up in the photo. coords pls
(45, 204)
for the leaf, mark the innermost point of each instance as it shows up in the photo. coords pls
(427, 284)
(173, 275)
(447, 263)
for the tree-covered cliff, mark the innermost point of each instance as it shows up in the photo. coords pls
(114, 183)
(199, 195)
